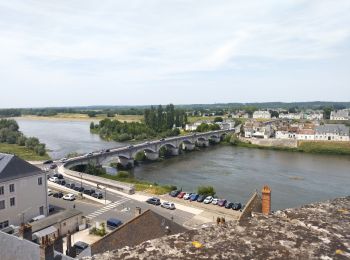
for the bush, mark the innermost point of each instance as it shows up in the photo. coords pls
(206, 190)
(123, 174)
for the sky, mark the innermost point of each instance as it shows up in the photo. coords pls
(83, 52)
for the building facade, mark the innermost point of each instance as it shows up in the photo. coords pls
(332, 132)
(261, 114)
(340, 115)
(23, 191)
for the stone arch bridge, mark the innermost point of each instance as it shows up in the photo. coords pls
(125, 155)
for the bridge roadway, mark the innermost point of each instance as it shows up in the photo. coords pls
(151, 149)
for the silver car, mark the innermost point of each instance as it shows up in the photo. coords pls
(168, 205)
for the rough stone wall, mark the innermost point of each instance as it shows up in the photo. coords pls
(315, 231)
(253, 205)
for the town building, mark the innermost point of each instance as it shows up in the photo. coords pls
(313, 116)
(332, 132)
(23, 191)
(257, 130)
(340, 115)
(261, 114)
(306, 134)
(291, 116)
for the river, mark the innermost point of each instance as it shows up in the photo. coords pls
(235, 172)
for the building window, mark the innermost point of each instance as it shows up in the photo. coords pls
(4, 224)
(2, 204)
(40, 181)
(12, 202)
(2, 190)
(12, 188)
(41, 210)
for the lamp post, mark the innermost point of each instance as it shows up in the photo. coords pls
(81, 179)
(105, 195)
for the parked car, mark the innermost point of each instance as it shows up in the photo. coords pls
(51, 208)
(48, 162)
(53, 179)
(49, 192)
(153, 201)
(174, 193)
(87, 192)
(187, 196)
(68, 185)
(181, 195)
(113, 223)
(201, 198)
(81, 189)
(168, 205)
(108, 150)
(58, 175)
(222, 202)
(37, 218)
(53, 166)
(208, 200)
(194, 197)
(63, 160)
(80, 247)
(162, 139)
(130, 146)
(89, 154)
(76, 188)
(61, 182)
(97, 195)
(228, 204)
(72, 186)
(215, 201)
(58, 195)
(69, 196)
(236, 206)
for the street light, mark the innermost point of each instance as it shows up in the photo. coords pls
(105, 195)
(81, 179)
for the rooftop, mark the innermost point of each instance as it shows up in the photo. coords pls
(12, 167)
(314, 231)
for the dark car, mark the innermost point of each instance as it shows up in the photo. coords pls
(53, 166)
(222, 202)
(62, 182)
(87, 192)
(97, 195)
(153, 201)
(68, 185)
(194, 197)
(76, 188)
(58, 195)
(236, 206)
(81, 189)
(107, 150)
(174, 193)
(113, 223)
(201, 198)
(58, 175)
(72, 186)
(228, 205)
(48, 162)
(80, 247)
(51, 208)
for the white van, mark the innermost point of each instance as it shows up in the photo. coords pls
(37, 218)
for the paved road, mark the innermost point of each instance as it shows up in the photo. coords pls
(120, 207)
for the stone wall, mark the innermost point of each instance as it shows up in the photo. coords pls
(288, 143)
(253, 205)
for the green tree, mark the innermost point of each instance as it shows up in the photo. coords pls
(206, 190)
(218, 119)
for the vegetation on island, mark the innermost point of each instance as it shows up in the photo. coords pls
(157, 122)
(15, 142)
(206, 190)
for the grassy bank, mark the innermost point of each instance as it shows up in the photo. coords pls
(85, 117)
(140, 185)
(337, 148)
(22, 152)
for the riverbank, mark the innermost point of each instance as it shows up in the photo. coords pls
(315, 147)
(82, 117)
(22, 152)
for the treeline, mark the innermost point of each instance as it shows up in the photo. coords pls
(10, 134)
(162, 119)
(157, 123)
(207, 127)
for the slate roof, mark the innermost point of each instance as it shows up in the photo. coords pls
(333, 128)
(12, 167)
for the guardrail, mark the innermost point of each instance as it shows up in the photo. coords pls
(120, 186)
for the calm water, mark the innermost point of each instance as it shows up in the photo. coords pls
(295, 178)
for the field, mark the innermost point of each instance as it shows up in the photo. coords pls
(325, 147)
(84, 117)
(22, 152)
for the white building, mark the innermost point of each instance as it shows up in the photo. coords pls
(306, 134)
(295, 116)
(340, 115)
(281, 134)
(261, 114)
(23, 191)
(332, 132)
(314, 116)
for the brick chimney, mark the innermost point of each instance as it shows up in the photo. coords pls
(137, 211)
(25, 231)
(46, 249)
(266, 200)
(58, 243)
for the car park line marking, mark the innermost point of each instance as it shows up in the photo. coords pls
(106, 208)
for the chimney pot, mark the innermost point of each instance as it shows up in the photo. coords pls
(266, 200)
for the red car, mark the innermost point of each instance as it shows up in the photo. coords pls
(181, 195)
